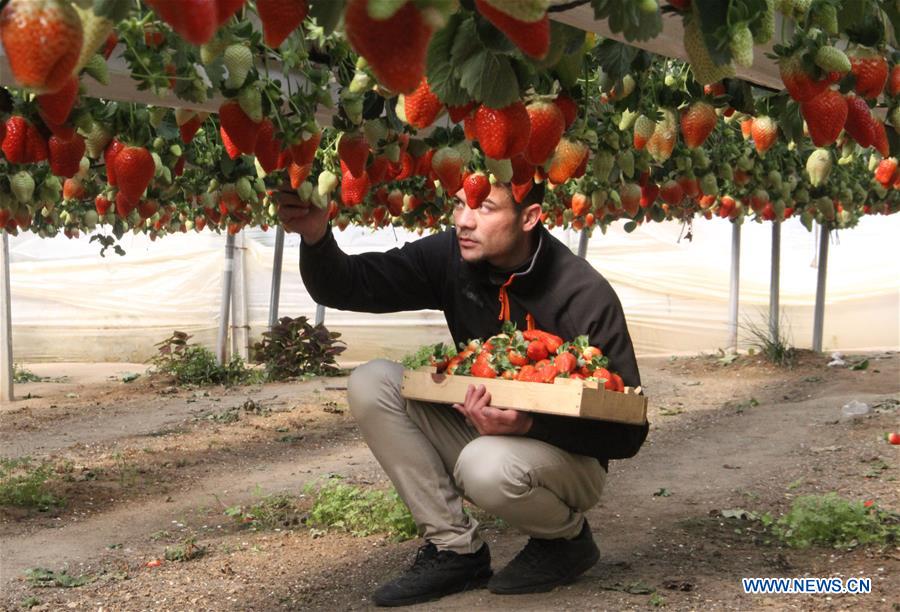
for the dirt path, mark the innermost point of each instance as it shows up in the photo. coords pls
(149, 465)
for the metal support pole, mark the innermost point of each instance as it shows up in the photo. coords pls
(275, 296)
(583, 243)
(819, 312)
(224, 309)
(775, 285)
(240, 312)
(735, 286)
(6, 352)
(320, 314)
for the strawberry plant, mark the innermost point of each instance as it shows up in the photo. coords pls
(295, 347)
(194, 364)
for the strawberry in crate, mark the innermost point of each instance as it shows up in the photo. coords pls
(527, 356)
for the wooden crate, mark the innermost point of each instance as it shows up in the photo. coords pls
(568, 397)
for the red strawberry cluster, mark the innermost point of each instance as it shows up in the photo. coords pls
(529, 356)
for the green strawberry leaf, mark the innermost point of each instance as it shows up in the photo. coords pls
(491, 79)
(439, 70)
(713, 16)
(466, 43)
(614, 58)
(114, 10)
(494, 39)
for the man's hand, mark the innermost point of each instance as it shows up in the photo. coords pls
(300, 217)
(490, 421)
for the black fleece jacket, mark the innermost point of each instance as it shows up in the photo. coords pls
(563, 293)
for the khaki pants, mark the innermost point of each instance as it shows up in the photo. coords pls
(435, 460)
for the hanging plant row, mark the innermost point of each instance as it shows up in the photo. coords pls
(428, 97)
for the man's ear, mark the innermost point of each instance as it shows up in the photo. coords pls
(531, 216)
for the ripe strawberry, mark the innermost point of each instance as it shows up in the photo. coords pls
(825, 116)
(477, 188)
(581, 204)
(14, 139)
(124, 206)
(242, 131)
(533, 38)
(304, 151)
(871, 72)
(353, 188)
(109, 158)
(764, 131)
(353, 150)
(147, 208)
(643, 130)
(230, 148)
(649, 193)
(421, 108)
(565, 363)
(298, 173)
(860, 123)
(112, 39)
(190, 127)
(279, 18)
(630, 195)
(395, 48)
(42, 40)
(697, 122)
(537, 351)
(447, 165)
(894, 83)
(55, 107)
(893, 438)
(65, 155)
(267, 147)
(886, 170)
(880, 141)
(547, 127)
(569, 157)
(671, 192)
(568, 107)
(102, 204)
(196, 21)
(503, 133)
(662, 142)
(458, 113)
(800, 85)
(482, 367)
(134, 169)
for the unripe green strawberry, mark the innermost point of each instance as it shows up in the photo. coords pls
(95, 140)
(764, 27)
(250, 100)
(741, 45)
(705, 70)
(305, 191)
(244, 189)
(98, 69)
(775, 179)
(625, 161)
(603, 164)
(91, 219)
(825, 16)
(801, 196)
(627, 120)
(598, 198)
(801, 7)
(726, 173)
(700, 158)
(832, 59)
(825, 206)
(327, 182)
(238, 60)
(501, 168)
(708, 184)
(895, 118)
(22, 186)
(818, 166)
(50, 189)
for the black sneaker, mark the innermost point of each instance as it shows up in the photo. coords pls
(434, 574)
(545, 564)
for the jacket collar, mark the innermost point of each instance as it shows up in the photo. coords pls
(518, 282)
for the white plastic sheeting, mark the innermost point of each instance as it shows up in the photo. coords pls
(68, 303)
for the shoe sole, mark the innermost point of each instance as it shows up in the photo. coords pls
(549, 586)
(479, 582)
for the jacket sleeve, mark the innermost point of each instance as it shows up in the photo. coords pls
(403, 278)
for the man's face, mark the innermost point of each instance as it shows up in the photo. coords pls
(495, 232)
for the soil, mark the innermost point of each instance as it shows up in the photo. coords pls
(145, 465)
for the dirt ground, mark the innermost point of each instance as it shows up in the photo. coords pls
(143, 465)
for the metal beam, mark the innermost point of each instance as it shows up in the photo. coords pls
(224, 307)
(6, 353)
(735, 286)
(320, 314)
(775, 285)
(275, 296)
(583, 243)
(819, 312)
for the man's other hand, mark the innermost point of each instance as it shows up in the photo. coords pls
(490, 421)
